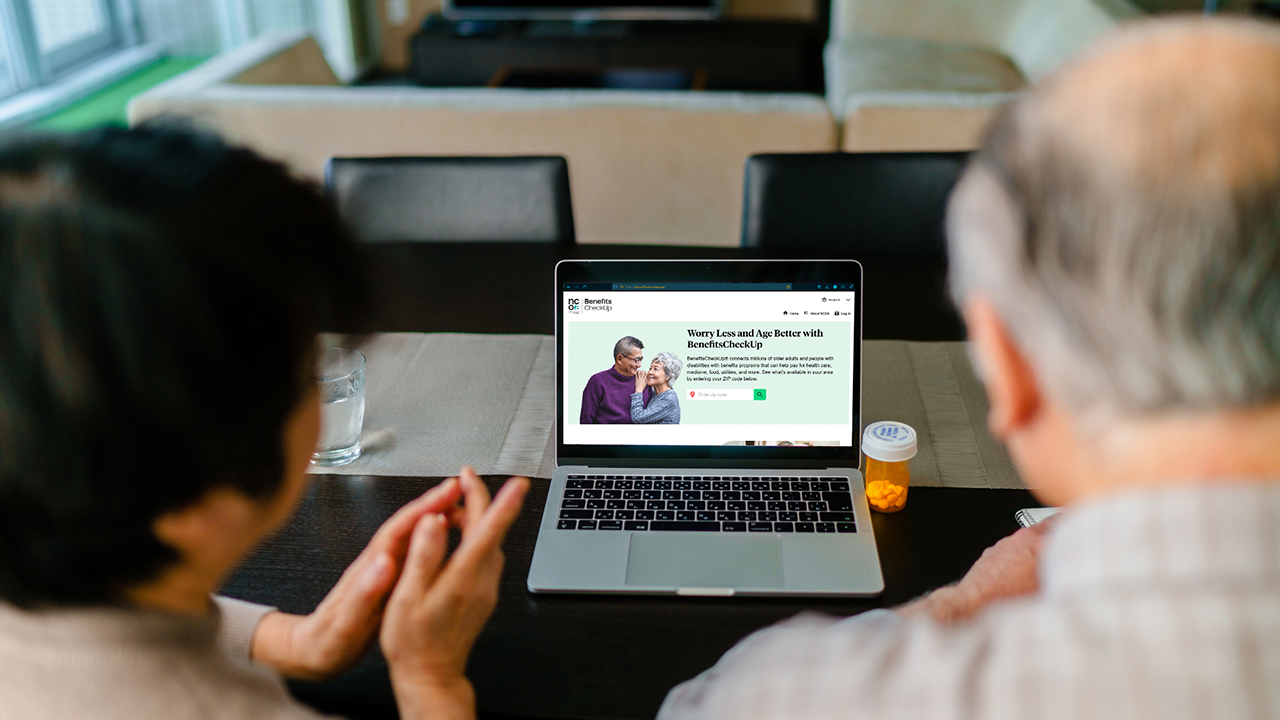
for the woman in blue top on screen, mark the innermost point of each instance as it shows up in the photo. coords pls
(663, 407)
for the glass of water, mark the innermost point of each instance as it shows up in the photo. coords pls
(340, 378)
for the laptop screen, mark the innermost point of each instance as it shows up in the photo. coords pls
(742, 360)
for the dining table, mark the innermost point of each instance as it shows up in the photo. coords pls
(605, 656)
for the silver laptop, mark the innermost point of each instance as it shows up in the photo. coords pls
(734, 469)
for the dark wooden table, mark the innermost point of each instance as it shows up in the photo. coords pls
(593, 656)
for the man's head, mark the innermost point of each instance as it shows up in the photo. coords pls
(627, 355)
(1120, 228)
(159, 298)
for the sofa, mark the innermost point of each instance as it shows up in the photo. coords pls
(644, 167)
(658, 167)
(929, 74)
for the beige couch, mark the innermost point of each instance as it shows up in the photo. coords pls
(662, 167)
(929, 74)
(657, 168)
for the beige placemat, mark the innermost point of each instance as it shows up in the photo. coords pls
(435, 402)
(931, 387)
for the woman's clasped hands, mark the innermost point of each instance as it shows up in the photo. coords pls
(426, 607)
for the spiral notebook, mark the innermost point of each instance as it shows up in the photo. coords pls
(1030, 516)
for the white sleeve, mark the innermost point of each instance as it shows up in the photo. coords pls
(239, 620)
(802, 667)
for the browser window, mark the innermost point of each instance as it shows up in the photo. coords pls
(761, 364)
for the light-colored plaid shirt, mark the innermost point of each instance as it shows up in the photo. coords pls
(1160, 604)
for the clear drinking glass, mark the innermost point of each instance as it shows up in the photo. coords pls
(340, 378)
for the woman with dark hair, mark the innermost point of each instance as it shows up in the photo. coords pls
(160, 295)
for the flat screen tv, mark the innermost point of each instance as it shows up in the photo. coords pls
(582, 10)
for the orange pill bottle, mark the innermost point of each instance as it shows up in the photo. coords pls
(889, 447)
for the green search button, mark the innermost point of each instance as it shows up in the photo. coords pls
(759, 394)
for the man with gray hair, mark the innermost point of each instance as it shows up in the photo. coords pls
(1115, 248)
(606, 399)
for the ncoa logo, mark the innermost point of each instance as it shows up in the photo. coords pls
(574, 307)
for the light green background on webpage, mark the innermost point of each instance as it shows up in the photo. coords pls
(790, 399)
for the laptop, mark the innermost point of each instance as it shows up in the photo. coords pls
(745, 480)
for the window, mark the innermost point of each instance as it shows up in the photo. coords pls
(44, 39)
(7, 80)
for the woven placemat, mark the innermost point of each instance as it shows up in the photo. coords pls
(436, 402)
(931, 387)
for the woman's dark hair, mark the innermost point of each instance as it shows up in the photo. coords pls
(160, 293)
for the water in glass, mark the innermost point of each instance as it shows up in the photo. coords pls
(341, 385)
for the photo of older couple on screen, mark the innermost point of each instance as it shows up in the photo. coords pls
(624, 394)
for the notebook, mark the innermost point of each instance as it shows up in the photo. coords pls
(1031, 516)
(732, 466)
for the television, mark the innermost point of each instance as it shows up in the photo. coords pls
(582, 10)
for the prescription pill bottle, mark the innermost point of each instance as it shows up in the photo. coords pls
(889, 447)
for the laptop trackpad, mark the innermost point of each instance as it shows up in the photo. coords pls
(699, 560)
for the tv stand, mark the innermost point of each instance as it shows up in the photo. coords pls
(715, 55)
(570, 29)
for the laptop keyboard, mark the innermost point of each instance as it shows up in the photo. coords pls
(710, 503)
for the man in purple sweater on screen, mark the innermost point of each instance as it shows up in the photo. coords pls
(606, 400)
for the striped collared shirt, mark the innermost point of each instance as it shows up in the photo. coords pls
(1161, 604)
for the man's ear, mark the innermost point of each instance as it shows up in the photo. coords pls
(1012, 386)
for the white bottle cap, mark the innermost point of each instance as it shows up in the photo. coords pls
(889, 441)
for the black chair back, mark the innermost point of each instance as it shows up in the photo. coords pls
(885, 210)
(454, 199)
(877, 203)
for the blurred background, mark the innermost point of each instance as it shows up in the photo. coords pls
(656, 104)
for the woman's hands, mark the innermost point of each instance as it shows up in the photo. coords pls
(333, 637)
(641, 376)
(429, 645)
(438, 608)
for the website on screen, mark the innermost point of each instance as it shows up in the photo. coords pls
(690, 364)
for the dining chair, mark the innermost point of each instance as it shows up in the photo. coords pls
(884, 209)
(889, 203)
(453, 199)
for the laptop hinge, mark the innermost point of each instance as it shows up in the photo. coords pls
(705, 592)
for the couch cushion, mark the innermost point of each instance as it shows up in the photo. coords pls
(935, 122)
(660, 168)
(1046, 32)
(898, 64)
(976, 22)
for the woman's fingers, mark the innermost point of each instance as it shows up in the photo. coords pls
(393, 536)
(486, 526)
(485, 534)
(392, 541)
(475, 497)
(426, 554)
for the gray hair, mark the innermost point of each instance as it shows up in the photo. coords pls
(625, 346)
(671, 365)
(1128, 229)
